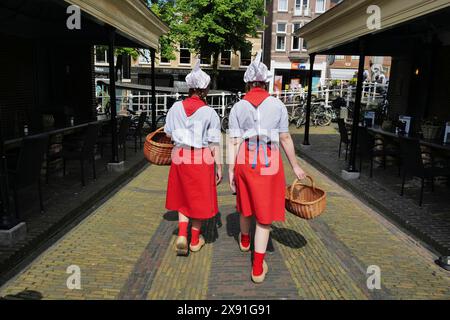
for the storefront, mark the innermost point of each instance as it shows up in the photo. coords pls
(47, 61)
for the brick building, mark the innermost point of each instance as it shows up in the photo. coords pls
(285, 53)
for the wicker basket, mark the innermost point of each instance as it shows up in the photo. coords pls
(305, 201)
(431, 132)
(158, 148)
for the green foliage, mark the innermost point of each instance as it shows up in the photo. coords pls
(209, 26)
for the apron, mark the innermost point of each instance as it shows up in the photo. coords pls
(192, 187)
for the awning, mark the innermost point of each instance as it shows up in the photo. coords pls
(348, 20)
(342, 74)
(132, 18)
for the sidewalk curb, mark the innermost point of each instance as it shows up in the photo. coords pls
(429, 243)
(12, 266)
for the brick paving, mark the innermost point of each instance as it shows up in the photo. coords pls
(65, 200)
(125, 251)
(430, 223)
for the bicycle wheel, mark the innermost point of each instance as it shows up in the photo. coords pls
(224, 124)
(297, 113)
(160, 122)
(301, 121)
(324, 119)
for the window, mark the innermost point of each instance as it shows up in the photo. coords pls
(101, 55)
(281, 43)
(304, 45)
(295, 39)
(185, 54)
(355, 57)
(225, 58)
(205, 59)
(246, 57)
(320, 6)
(281, 36)
(283, 5)
(340, 57)
(163, 60)
(301, 7)
(281, 27)
(144, 57)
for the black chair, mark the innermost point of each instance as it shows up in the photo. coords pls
(343, 132)
(412, 164)
(369, 149)
(137, 131)
(122, 134)
(27, 170)
(85, 153)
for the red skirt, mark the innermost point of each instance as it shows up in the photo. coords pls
(192, 188)
(260, 183)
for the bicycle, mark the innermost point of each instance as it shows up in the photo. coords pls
(321, 115)
(225, 120)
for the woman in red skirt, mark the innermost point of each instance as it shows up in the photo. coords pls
(259, 124)
(195, 130)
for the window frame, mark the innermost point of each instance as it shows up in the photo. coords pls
(190, 56)
(276, 43)
(324, 6)
(302, 10)
(240, 59)
(287, 6)
(231, 58)
(101, 63)
(300, 40)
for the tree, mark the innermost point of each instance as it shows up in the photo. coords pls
(209, 27)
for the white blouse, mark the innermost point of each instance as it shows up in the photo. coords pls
(199, 130)
(267, 121)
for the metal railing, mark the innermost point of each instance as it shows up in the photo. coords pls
(220, 101)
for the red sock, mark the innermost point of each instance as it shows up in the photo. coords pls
(245, 240)
(195, 235)
(183, 229)
(258, 259)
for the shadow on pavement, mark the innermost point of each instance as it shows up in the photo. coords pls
(288, 238)
(24, 295)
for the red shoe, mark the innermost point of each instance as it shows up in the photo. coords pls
(182, 246)
(199, 245)
(241, 246)
(260, 279)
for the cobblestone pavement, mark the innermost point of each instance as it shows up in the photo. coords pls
(431, 223)
(125, 251)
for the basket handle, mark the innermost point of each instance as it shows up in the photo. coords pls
(298, 182)
(151, 135)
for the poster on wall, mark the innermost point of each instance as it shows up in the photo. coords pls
(295, 84)
(316, 83)
(278, 84)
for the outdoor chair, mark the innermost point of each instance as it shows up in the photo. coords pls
(122, 134)
(84, 153)
(343, 132)
(136, 131)
(367, 149)
(26, 171)
(412, 164)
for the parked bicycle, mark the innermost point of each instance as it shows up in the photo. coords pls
(225, 120)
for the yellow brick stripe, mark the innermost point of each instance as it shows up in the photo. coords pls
(407, 269)
(105, 246)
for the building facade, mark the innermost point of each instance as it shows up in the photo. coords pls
(172, 73)
(285, 53)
